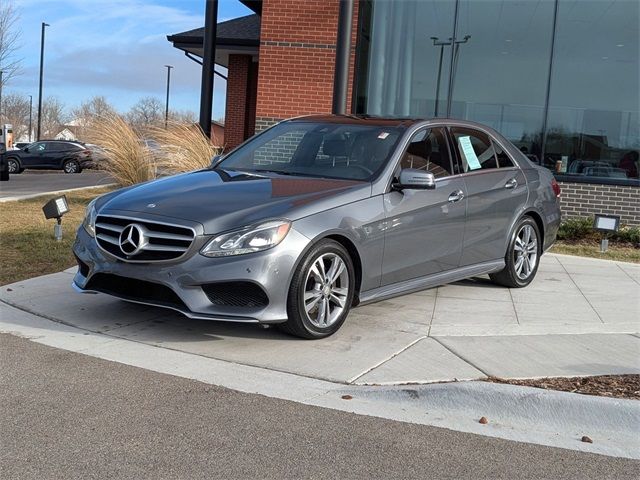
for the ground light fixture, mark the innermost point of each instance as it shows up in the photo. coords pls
(56, 208)
(606, 224)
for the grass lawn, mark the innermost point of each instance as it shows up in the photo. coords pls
(27, 246)
(590, 248)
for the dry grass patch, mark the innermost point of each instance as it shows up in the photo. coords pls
(618, 252)
(128, 160)
(28, 248)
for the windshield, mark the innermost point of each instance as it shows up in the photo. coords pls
(344, 151)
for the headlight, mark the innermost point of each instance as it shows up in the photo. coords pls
(248, 240)
(89, 222)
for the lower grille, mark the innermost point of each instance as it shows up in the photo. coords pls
(143, 240)
(136, 290)
(83, 267)
(236, 294)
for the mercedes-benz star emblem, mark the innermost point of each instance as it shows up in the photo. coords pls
(132, 239)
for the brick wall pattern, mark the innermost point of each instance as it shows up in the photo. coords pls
(585, 200)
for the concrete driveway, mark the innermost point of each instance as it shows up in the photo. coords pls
(579, 317)
(34, 183)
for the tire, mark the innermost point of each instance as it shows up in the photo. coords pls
(71, 166)
(327, 303)
(13, 166)
(522, 257)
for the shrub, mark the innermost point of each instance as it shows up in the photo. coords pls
(575, 229)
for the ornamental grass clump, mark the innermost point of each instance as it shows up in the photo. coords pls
(184, 147)
(128, 159)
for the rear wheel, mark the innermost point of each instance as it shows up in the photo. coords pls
(71, 166)
(523, 256)
(321, 292)
(13, 166)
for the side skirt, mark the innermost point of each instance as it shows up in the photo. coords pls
(422, 283)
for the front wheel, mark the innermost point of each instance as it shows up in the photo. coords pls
(321, 292)
(72, 166)
(13, 166)
(523, 256)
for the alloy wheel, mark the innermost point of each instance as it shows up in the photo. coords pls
(326, 290)
(525, 252)
(12, 166)
(71, 167)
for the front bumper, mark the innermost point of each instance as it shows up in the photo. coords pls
(270, 270)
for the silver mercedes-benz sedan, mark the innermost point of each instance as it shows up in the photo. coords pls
(319, 214)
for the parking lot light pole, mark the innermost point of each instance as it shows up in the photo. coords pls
(44, 25)
(30, 116)
(166, 108)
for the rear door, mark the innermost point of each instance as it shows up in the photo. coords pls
(496, 192)
(424, 228)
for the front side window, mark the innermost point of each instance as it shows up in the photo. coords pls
(40, 147)
(344, 151)
(428, 151)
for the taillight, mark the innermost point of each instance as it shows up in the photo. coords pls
(556, 187)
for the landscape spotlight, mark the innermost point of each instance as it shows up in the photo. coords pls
(606, 224)
(56, 208)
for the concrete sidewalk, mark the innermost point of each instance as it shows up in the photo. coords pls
(579, 317)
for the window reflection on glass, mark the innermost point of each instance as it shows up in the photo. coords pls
(403, 66)
(501, 72)
(593, 129)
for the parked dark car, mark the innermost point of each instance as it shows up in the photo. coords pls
(71, 157)
(319, 214)
(4, 170)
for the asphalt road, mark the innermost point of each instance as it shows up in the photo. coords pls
(31, 183)
(66, 415)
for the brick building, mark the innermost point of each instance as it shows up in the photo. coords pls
(512, 66)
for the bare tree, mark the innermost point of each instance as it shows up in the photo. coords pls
(16, 112)
(9, 41)
(85, 116)
(148, 112)
(182, 116)
(53, 117)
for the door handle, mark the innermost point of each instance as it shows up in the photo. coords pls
(513, 183)
(456, 196)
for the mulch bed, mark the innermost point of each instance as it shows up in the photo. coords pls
(620, 386)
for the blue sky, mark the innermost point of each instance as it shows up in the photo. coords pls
(115, 48)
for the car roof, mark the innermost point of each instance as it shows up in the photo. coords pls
(73, 142)
(358, 120)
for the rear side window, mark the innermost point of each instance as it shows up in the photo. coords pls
(477, 152)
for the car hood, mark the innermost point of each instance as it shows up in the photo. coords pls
(222, 200)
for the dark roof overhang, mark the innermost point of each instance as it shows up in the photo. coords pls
(239, 35)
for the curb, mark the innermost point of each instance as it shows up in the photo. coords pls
(18, 198)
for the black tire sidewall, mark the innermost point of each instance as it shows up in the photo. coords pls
(295, 303)
(510, 260)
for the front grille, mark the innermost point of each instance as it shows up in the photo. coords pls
(137, 290)
(236, 294)
(161, 241)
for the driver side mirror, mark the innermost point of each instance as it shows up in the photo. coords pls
(215, 160)
(26, 149)
(412, 179)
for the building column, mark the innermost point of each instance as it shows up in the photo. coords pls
(239, 123)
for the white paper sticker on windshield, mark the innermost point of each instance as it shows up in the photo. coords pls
(383, 135)
(468, 153)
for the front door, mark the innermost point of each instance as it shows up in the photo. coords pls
(496, 192)
(35, 156)
(424, 228)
